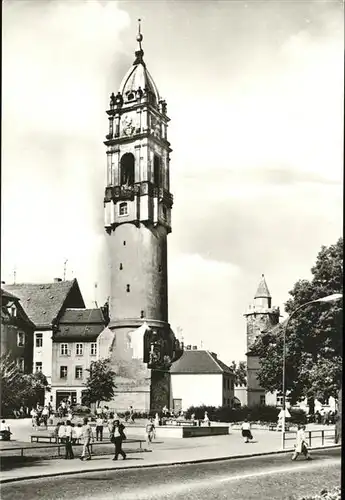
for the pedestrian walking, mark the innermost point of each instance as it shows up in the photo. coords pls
(301, 444)
(50, 408)
(34, 418)
(78, 432)
(156, 421)
(206, 419)
(62, 432)
(45, 415)
(337, 429)
(246, 432)
(87, 437)
(150, 430)
(56, 432)
(117, 436)
(99, 428)
(68, 441)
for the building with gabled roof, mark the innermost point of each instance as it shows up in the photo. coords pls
(198, 378)
(44, 304)
(74, 349)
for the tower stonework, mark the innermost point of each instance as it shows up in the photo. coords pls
(261, 316)
(137, 206)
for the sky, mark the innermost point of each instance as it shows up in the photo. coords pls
(255, 96)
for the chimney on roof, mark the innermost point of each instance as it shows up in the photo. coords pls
(189, 347)
(195, 347)
(57, 280)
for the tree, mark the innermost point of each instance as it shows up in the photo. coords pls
(240, 372)
(100, 384)
(313, 363)
(18, 388)
(36, 384)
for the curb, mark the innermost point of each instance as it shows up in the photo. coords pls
(166, 464)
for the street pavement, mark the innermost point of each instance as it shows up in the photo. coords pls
(270, 477)
(169, 451)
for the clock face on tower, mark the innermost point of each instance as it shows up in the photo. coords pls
(127, 125)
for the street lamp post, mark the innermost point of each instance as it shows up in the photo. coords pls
(329, 298)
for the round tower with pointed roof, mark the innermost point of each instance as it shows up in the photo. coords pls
(137, 207)
(261, 316)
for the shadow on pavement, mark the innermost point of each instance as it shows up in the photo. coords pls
(9, 463)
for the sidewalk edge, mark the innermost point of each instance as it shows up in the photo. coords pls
(165, 464)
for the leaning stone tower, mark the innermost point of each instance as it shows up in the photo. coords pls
(137, 206)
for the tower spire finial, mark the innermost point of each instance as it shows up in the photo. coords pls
(139, 35)
(139, 52)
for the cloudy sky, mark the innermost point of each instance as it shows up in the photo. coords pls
(255, 95)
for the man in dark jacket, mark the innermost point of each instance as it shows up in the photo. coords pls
(117, 435)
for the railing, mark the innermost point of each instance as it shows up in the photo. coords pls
(322, 434)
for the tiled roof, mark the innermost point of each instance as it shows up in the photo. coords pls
(196, 361)
(262, 291)
(78, 332)
(82, 316)
(42, 302)
(8, 295)
(80, 324)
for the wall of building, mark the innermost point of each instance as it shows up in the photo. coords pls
(228, 389)
(259, 321)
(254, 392)
(138, 257)
(196, 389)
(44, 354)
(241, 394)
(71, 360)
(9, 343)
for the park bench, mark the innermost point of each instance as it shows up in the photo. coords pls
(180, 422)
(43, 438)
(275, 427)
(36, 438)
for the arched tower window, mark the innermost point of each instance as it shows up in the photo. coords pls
(127, 169)
(157, 170)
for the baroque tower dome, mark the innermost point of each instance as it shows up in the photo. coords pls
(138, 79)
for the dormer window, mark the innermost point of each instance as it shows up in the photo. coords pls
(130, 96)
(123, 209)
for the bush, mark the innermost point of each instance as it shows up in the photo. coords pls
(260, 413)
(263, 413)
(81, 410)
(298, 416)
